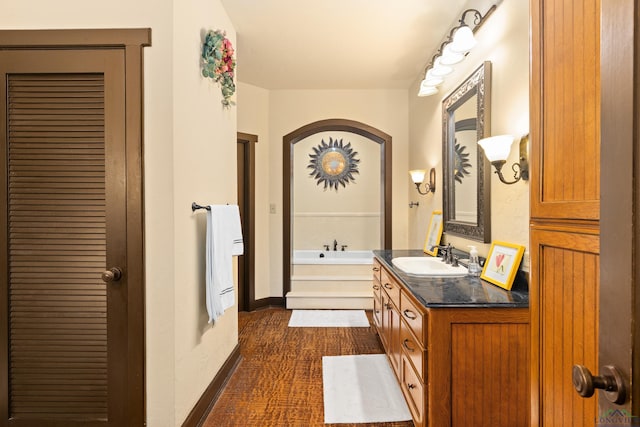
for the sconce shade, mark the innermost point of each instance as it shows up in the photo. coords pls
(496, 148)
(440, 69)
(463, 40)
(417, 175)
(449, 57)
(431, 80)
(426, 90)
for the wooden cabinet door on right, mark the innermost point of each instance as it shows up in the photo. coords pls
(565, 206)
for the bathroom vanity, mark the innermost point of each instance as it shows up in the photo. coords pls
(459, 346)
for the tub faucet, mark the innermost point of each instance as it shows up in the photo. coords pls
(335, 245)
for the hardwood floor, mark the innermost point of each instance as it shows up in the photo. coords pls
(279, 380)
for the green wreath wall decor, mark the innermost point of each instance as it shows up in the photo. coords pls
(219, 64)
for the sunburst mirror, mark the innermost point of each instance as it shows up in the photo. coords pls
(333, 164)
(461, 163)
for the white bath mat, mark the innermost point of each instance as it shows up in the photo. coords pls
(361, 389)
(328, 319)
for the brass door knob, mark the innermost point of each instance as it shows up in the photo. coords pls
(111, 275)
(611, 382)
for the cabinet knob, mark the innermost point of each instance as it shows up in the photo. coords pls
(111, 275)
(611, 382)
(411, 386)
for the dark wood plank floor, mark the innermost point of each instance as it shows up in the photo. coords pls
(279, 380)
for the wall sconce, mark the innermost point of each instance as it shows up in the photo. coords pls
(497, 148)
(452, 51)
(417, 176)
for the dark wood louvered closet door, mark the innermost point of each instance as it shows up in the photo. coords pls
(63, 226)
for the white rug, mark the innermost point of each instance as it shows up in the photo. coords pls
(328, 319)
(361, 389)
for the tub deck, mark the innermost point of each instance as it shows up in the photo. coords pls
(336, 280)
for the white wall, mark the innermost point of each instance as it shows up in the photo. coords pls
(289, 110)
(205, 171)
(273, 114)
(189, 155)
(253, 118)
(349, 215)
(503, 40)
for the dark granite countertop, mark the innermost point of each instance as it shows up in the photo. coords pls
(449, 292)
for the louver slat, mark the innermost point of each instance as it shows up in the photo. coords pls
(57, 229)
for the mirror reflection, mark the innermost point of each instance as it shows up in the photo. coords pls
(466, 172)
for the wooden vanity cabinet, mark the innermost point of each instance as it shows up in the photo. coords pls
(377, 295)
(456, 366)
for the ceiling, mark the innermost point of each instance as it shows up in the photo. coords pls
(340, 44)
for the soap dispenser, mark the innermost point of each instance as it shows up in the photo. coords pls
(474, 263)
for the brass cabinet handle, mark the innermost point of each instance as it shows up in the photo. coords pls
(388, 286)
(404, 344)
(411, 386)
(376, 287)
(407, 315)
(376, 269)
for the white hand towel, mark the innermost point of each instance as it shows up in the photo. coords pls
(224, 239)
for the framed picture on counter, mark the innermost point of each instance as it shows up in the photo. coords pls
(502, 264)
(434, 233)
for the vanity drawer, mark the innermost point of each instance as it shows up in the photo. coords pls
(413, 390)
(391, 287)
(412, 349)
(377, 268)
(413, 316)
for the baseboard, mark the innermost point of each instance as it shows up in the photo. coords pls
(203, 406)
(267, 303)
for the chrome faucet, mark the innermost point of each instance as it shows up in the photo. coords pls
(335, 245)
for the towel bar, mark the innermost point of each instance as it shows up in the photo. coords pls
(195, 206)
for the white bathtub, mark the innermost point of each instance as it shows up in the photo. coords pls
(332, 257)
(335, 280)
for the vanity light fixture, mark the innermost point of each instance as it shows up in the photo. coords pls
(497, 149)
(453, 49)
(417, 176)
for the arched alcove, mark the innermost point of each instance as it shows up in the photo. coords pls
(335, 125)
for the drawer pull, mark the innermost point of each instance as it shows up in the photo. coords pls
(376, 269)
(411, 386)
(376, 287)
(406, 314)
(404, 344)
(388, 286)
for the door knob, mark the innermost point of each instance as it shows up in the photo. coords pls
(111, 275)
(611, 382)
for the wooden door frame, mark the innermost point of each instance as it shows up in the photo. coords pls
(131, 41)
(249, 219)
(331, 125)
(620, 200)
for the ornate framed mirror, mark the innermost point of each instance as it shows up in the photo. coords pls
(466, 118)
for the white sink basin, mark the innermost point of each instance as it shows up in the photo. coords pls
(425, 266)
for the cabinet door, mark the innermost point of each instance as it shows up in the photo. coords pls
(377, 304)
(394, 338)
(565, 109)
(564, 323)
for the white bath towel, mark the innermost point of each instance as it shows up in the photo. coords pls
(224, 239)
